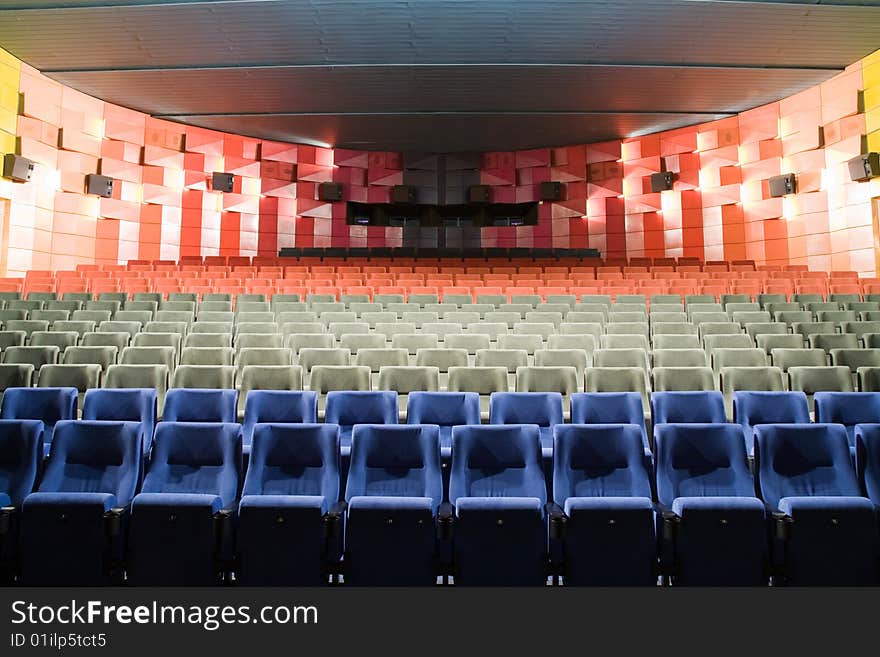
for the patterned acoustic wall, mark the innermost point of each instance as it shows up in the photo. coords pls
(163, 207)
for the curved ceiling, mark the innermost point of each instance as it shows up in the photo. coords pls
(444, 75)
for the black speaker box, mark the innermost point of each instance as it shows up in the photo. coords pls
(864, 167)
(661, 182)
(403, 194)
(783, 185)
(552, 191)
(330, 191)
(479, 194)
(222, 182)
(17, 168)
(99, 185)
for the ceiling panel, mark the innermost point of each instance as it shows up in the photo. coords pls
(444, 75)
(419, 89)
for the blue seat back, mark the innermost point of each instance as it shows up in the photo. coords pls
(446, 409)
(868, 459)
(701, 460)
(127, 404)
(599, 460)
(687, 407)
(94, 456)
(278, 406)
(347, 408)
(541, 408)
(294, 459)
(770, 407)
(847, 408)
(21, 443)
(196, 457)
(496, 461)
(796, 460)
(609, 408)
(46, 404)
(200, 405)
(395, 461)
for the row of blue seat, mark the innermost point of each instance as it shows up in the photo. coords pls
(804, 518)
(446, 409)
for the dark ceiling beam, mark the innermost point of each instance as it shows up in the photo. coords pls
(111, 4)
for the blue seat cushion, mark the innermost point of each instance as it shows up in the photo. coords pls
(4, 499)
(102, 501)
(316, 502)
(477, 504)
(682, 505)
(178, 500)
(382, 503)
(793, 506)
(613, 504)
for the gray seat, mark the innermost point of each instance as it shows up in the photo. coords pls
(338, 329)
(806, 329)
(50, 316)
(78, 327)
(719, 328)
(829, 341)
(856, 358)
(356, 342)
(509, 359)
(727, 341)
(166, 356)
(529, 343)
(12, 339)
(60, 339)
(785, 359)
(339, 377)
(138, 376)
(415, 341)
(768, 342)
(204, 376)
(256, 327)
(491, 329)
(15, 375)
(142, 317)
(142, 306)
(99, 339)
(503, 317)
(624, 342)
(166, 327)
(81, 377)
(691, 341)
(673, 328)
(471, 343)
(613, 358)
(96, 316)
(442, 330)
(70, 305)
(214, 306)
(725, 357)
(28, 326)
(297, 341)
(36, 356)
(442, 359)
(217, 340)
(869, 379)
(577, 358)
(406, 379)
(531, 328)
(765, 328)
(682, 379)
(829, 378)
(254, 318)
(310, 357)
(680, 358)
(586, 342)
(101, 356)
(858, 328)
(734, 379)
(215, 316)
(482, 380)
(207, 356)
(290, 328)
(618, 379)
(267, 377)
(263, 356)
(244, 306)
(258, 341)
(562, 379)
(380, 357)
(211, 327)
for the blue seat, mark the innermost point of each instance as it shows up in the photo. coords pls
(715, 529)
(848, 409)
(180, 530)
(49, 405)
(71, 528)
(868, 460)
(541, 408)
(394, 491)
(123, 404)
(827, 532)
(609, 408)
(768, 407)
(699, 407)
(21, 446)
(348, 408)
(276, 407)
(498, 491)
(445, 409)
(201, 405)
(287, 534)
(602, 486)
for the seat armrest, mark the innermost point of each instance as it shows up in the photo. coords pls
(114, 519)
(445, 516)
(781, 524)
(7, 513)
(557, 520)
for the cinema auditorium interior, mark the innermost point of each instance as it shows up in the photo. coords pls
(496, 293)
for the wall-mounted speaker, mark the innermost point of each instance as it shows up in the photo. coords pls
(661, 182)
(403, 194)
(17, 168)
(479, 194)
(783, 185)
(864, 167)
(222, 182)
(99, 185)
(330, 191)
(552, 191)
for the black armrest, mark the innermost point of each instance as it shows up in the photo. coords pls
(557, 520)
(670, 521)
(6, 516)
(445, 516)
(113, 520)
(334, 517)
(781, 524)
